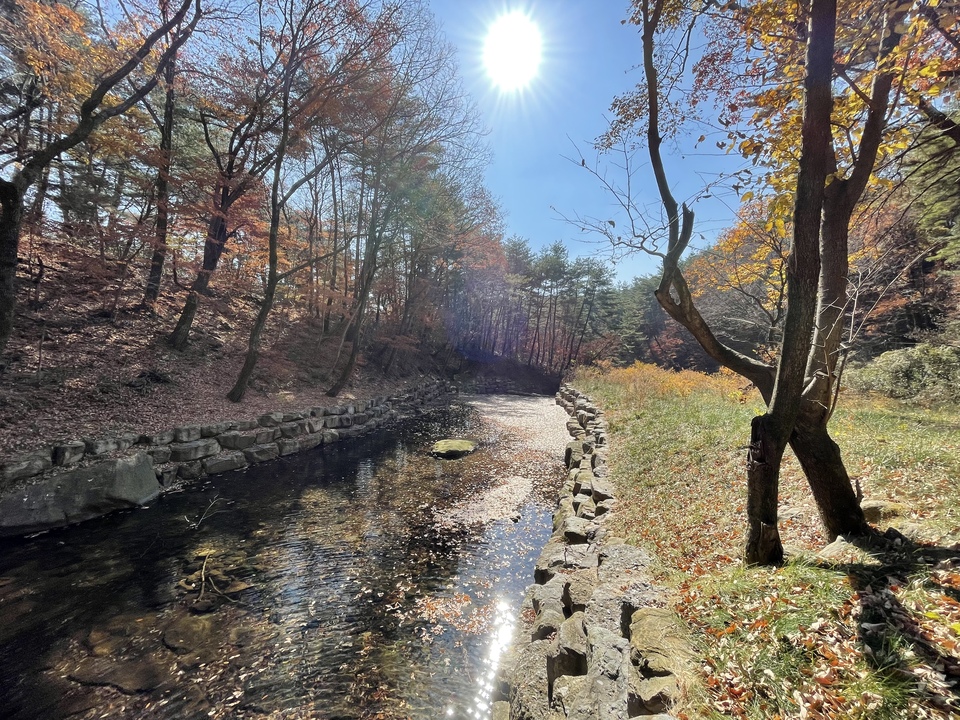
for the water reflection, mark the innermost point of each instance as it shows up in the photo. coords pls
(331, 590)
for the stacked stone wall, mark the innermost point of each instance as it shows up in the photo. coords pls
(39, 489)
(594, 641)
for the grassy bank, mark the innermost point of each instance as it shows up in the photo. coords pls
(864, 634)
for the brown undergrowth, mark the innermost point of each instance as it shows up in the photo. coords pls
(78, 367)
(856, 632)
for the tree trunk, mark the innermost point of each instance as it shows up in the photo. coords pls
(836, 500)
(11, 217)
(152, 291)
(213, 249)
(763, 545)
(239, 388)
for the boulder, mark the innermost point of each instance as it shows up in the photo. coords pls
(25, 466)
(453, 448)
(70, 497)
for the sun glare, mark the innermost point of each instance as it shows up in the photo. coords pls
(511, 52)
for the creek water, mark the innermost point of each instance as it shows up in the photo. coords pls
(363, 580)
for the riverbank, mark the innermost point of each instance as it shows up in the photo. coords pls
(839, 630)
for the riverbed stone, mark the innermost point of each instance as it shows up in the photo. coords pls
(267, 435)
(330, 437)
(242, 425)
(128, 676)
(236, 440)
(194, 450)
(261, 453)
(188, 633)
(224, 462)
(453, 448)
(68, 453)
(79, 495)
(167, 475)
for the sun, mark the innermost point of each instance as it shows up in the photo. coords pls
(511, 52)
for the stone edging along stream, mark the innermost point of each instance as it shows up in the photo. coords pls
(594, 641)
(79, 480)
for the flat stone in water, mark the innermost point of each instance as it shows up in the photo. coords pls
(453, 448)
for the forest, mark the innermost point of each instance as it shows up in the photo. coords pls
(326, 174)
(243, 200)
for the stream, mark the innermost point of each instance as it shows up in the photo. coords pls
(362, 580)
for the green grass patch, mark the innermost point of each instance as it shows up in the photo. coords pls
(876, 634)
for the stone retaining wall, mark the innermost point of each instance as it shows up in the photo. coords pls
(77, 480)
(594, 642)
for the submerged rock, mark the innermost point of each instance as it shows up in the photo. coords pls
(453, 448)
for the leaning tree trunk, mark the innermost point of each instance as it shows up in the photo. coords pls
(830, 484)
(253, 347)
(213, 249)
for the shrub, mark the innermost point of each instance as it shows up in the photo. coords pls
(926, 373)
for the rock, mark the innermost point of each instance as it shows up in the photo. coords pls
(267, 435)
(214, 429)
(68, 453)
(308, 442)
(654, 694)
(128, 676)
(234, 440)
(270, 419)
(500, 711)
(102, 446)
(25, 466)
(602, 490)
(224, 462)
(573, 453)
(529, 696)
(159, 454)
(79, 495)
(292, 417)
(167, 475)
(330, 437)
(290, 430)
(194, 450)
(187, 633)
(843, 551)
(453, 448)
(161, 438)
(288, 446)
(187, 433)
(617, 561)
(261, 453)
(190, 470)
(660, 643)
(875, 511)
(575, 530)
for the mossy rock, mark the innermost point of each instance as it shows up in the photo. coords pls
(453, 448)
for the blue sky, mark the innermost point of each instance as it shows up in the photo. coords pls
(588, 58)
